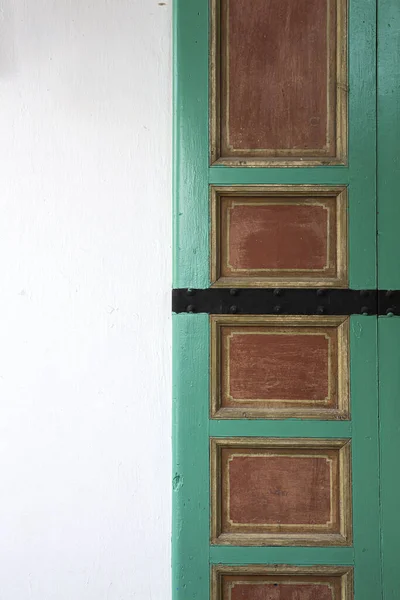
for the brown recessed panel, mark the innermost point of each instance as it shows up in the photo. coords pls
(279, 75)
(275, 492)
(279, 236)
(279, 367)
(259, 582)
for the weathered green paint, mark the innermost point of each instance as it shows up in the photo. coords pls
(389, 409)
(389, 278)
(365, 444)
(239, 175)
(191, 513)
(191, 235)
(362, 143)
(289, 556)
(288, 428)
(388, 142)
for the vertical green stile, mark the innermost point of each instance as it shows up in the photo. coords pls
(191, 235)
(191, 513)
(365, 443)
(389, 278)
(389, 408)
(388, 143)
(362, 146)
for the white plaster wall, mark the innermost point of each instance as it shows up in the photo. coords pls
(85, 253)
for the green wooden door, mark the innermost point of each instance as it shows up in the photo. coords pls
(286, 422)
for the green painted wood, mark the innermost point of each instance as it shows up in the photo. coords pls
(191, 241)
(191, 513)
(388, 142)
(389, 408)
(362, 145)
(389, 278)
(290, 556)
(365, 448)
(296, 176)
(288, 428)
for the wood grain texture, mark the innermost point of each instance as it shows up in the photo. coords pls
(280, 590)
(278, 367)
(277, 86)
(276, 74)
(281, 583)
(280, 492)
(286, 236)
(275, 236)
(288, 366)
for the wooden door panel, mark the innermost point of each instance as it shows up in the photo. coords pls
(280, 492)
(279, 236)
(282, 583)
(279, 92)
(279, 367)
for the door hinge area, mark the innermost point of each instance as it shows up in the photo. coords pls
(283, 301)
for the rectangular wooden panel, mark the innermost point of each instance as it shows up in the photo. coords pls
(274, 492)
(279, 367)
(268, 582)
(279, 236)
(279, 82)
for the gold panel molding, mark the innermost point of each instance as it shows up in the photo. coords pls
(279, 367)
(322, 582)
(279, 236)
(281, 492)
(278, 83)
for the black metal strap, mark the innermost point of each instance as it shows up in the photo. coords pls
(389, 302)
(286, 301)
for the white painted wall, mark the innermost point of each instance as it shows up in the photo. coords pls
(85, 160)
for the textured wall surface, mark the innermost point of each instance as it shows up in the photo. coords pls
(85, 157)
